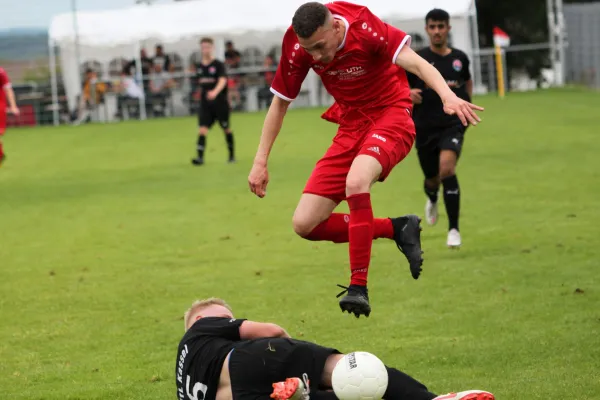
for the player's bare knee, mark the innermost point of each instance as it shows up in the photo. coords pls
(303, 226)
(356, 185)
(202, 131)
(447, 170)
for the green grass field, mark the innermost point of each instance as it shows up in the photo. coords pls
(108, 234)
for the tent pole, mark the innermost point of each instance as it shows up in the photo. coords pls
(53, 81)
(475, 35)
(76, 34)
(552, 37)
(140, 77)
(560, 42)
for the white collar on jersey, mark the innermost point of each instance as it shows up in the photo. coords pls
(345, 21)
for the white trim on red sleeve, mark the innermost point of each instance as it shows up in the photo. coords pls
(347, 24)
(406, 41)
(276, 93)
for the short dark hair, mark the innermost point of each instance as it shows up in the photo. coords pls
(437, 14)
(206, 40)
(308, 18)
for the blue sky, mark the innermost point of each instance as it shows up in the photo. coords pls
(39, 13)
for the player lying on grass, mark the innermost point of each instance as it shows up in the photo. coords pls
(357, 56)
(224, 358)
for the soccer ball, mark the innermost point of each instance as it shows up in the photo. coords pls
(359, 376)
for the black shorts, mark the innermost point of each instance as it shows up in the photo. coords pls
(256, 364)
(430, 142)
(212, 111)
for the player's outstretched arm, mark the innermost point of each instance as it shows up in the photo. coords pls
(259, 175)
(453, 105)
(256, 330)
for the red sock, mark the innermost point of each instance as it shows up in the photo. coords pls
(360, 234)
(335, 229)
(382, 228)
(1, 150)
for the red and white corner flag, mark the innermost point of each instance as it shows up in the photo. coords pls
(501, 38)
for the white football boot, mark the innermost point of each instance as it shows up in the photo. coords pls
(453, 239)
(431, 212)
(467, 395)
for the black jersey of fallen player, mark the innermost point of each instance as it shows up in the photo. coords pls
(454, 67)
(207, 76)
(201, 354)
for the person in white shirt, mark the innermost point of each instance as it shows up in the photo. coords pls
(128, 90)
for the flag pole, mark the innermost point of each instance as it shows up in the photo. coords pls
(501, 40)
(499, 71)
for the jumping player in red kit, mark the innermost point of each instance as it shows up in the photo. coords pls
(357, 57)
(6, 93)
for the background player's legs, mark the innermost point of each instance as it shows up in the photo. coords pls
(201, 145)
(451, 146)
(206, 119)
(448, 159)
(429, 158)
(223, 118)
(1, 152)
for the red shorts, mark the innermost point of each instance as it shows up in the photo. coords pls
(387, 135)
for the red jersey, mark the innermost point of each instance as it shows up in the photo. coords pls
(4, 83)
(362, 74)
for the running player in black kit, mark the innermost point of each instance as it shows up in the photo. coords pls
(214, 105)
(440, 136)
(224, 358)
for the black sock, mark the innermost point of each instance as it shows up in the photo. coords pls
(201, 146)
(323, 395)
(431, 193)
(452, 200)
(403, 387)
(230, 146)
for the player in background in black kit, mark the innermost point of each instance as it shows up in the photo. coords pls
(224, 358)
(214, 105)
(440, 136)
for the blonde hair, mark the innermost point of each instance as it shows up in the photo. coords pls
(202, 304)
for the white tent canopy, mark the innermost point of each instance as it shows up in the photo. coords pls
(103, 36)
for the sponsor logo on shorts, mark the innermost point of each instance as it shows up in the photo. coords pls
(455, 141)
(374, 149)
(376, 136)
